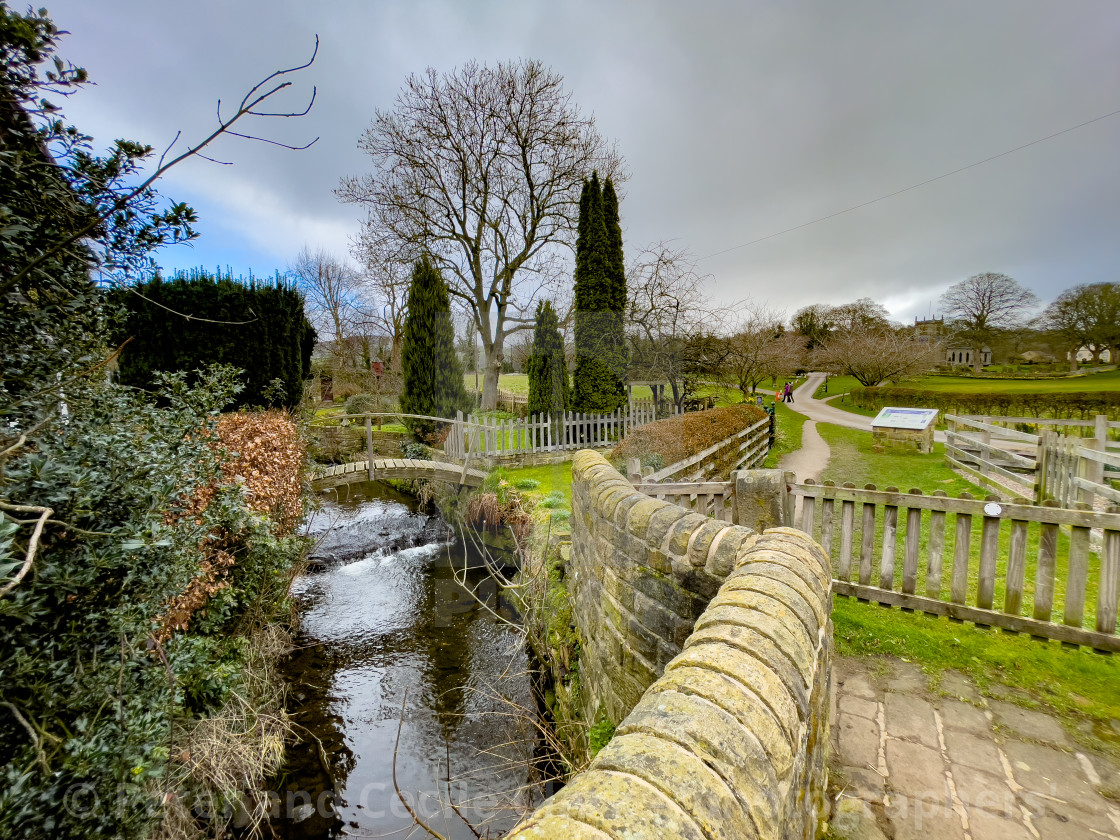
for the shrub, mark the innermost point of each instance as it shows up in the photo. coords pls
(361, 404)
(680, 437)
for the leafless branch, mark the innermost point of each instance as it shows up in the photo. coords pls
(32, 543)
(396, 748)
(224, 126)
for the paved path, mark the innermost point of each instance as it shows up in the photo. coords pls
(939, 761)
(820, 411)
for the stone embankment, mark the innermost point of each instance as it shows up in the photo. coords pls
(710, 644)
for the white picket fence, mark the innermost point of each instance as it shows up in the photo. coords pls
(488, 437)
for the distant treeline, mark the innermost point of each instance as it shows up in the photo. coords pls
(196, 319)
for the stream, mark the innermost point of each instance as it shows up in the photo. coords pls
(386, 625)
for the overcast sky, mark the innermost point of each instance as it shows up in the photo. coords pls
(737, 120)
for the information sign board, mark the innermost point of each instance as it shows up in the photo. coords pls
(905, 418)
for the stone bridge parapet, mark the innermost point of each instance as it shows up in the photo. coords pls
(710, 645)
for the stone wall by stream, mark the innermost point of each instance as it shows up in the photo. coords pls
(711, 645)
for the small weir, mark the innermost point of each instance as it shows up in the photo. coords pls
(386, 624)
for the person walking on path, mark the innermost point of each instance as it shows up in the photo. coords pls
(789, 393)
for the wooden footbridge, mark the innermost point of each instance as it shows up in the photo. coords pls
(375, 469)
(398, 468)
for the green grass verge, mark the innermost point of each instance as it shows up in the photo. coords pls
(854, 460)
(836, 385)
(787, 435)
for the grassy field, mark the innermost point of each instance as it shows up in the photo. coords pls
(518, 383)
(1107, 381)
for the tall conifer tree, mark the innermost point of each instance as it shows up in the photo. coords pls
(549, 390)
(432, 376)
(600, 301)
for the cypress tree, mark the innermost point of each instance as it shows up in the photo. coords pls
(549, 391)
(432, 376)
(600, 300)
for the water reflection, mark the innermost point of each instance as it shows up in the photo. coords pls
(383, 616)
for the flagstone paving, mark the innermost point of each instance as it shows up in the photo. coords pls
(937, 760)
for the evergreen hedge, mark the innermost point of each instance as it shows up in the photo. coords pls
(1062, 406)
(549, 389)
(256, 326)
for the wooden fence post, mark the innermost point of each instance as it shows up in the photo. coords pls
(1094, 470)
(369, 446)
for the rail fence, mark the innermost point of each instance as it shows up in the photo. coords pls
(1063, 468)
(1025, 568)
(745, 449)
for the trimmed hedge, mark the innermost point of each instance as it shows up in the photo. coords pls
(1058, 405)
(668, 441)
(256, 326)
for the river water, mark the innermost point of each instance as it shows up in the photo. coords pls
(387, 625)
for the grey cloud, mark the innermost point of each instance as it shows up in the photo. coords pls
(737, 120)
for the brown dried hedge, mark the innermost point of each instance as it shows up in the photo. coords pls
(676, 438)
(266, 456)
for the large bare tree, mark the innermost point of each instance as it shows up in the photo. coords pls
(1086, 316)
(760, 348)
(673, 329)
(874, 356)
(983, 305)
(383, 291)
(482, 168)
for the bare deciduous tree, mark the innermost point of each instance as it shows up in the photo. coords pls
(482, 167)
(861, 315)
(875, 356)
(672, 327)
(759, 348)
(330, 287)
(383, 292)
(984, 304)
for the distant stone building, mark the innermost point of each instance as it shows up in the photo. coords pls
(933, 329)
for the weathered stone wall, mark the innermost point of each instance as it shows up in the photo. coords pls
(711, 644)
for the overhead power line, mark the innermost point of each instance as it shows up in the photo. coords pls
(912, 186)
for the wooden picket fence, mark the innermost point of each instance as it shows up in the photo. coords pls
(985, 591)
(489, 437)
(708, 498)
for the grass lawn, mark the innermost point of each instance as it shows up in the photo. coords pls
(548, 486)
(1107, 381)
(787, 437)
(836, 385)
(518, 383)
